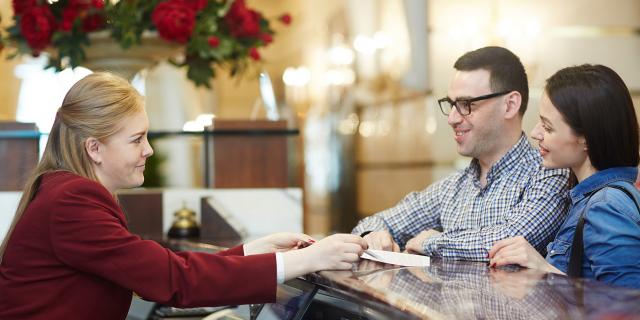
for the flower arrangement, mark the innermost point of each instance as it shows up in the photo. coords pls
(213, 32)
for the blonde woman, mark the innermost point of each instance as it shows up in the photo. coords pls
(69, 255)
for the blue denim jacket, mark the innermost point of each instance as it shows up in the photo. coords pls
(611, 229)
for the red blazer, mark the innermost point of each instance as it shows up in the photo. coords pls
(72, 257)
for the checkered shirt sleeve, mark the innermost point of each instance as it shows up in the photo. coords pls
(418, 211)
(536, 216)
(520, 198)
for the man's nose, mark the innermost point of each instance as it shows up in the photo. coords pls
(454, 117)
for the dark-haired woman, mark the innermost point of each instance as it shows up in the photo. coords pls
(588, 124)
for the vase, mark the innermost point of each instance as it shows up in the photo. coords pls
(105, 54)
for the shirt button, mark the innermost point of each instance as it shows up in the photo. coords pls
(553, 251)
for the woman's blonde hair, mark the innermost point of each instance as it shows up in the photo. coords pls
(94, 107)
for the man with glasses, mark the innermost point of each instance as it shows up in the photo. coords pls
(504, 192)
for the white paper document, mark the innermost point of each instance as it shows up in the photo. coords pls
(400, 259)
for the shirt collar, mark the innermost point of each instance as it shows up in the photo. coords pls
(602, 178)
(506, 162)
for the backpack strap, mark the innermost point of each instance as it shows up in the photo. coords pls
(577, 245)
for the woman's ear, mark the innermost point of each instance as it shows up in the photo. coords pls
(93, 148)
(583, 142)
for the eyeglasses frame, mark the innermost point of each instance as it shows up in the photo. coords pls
(468, 102)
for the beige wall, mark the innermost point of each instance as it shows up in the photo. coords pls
(404, 157)
(9, 84)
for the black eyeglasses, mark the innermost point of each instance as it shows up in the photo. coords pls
(464, 105)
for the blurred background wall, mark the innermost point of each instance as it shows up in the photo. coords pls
(360, 79)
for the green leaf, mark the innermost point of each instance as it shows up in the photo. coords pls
(200, 71)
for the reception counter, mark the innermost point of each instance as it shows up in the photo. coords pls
(449, 290)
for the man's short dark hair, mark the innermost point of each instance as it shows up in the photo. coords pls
(596, 104)
(506, 70)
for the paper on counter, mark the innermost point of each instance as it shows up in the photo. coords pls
(401, 259)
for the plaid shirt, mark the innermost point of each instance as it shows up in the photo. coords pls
(520, 198)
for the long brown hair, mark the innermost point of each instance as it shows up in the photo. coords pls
(94, 107)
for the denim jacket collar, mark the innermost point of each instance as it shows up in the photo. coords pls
(602, 178)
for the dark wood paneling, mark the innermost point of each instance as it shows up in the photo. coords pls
(18, 156)
(143, 210)
(250, 161)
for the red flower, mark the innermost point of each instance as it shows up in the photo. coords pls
(37, 26)
(214, 42)
(82, 9)
(242, 21)
(21, 6)
(92, 23)
(285, 18)
(196, 5)
(69, 15)
(266, 38)
(254, 54)
(174, 20)
(98, 4)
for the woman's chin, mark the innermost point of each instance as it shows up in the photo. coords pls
(135, 183)
(551, 165)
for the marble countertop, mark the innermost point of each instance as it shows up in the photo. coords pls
(471, 290)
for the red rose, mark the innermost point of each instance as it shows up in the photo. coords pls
(254, 54)
(82, 9)
(174, 20)
(196, 5)
(69, 15)
(92, 23)
(98, 4)
(37, 25)
(266, 38)
(214, 42)
(242, 21)
(21, 6)
(285, 18)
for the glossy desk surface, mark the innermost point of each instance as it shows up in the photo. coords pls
(471, 290)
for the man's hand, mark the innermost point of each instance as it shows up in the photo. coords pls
(381, 240)
(415, 245)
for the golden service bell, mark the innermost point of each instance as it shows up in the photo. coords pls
(184, 225)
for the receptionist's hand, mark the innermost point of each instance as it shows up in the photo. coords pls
(277, 242)
(381, 240)
(336, 252)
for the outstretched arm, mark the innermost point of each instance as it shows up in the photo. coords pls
(536, 217)
(418, 211)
